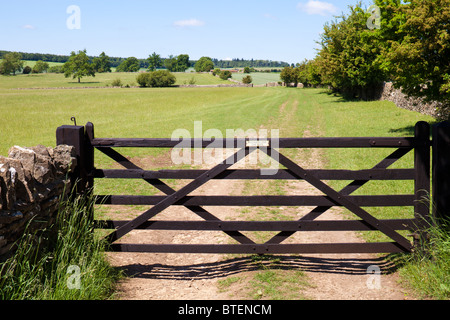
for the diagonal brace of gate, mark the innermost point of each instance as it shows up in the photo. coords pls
(160, 185)
(347, 190)
(176, 196)
(339, 198)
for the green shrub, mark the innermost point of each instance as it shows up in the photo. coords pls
(55, 69)
(225, 75)
(247, 80)
(26, 70)
(161, 78)
(156, 79)
(116, 83)
(142, 79)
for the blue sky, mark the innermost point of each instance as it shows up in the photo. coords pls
(282, 30)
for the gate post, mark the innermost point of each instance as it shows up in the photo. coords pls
(422, 180)
(441, 170)
(76, 136)
(89, 155)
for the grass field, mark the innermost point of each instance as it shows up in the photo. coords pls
(31, 63)
(53, 80)
(32, 116)
(258, 77)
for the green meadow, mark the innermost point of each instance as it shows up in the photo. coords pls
(258, 77)
(32, 116)
(55, 80)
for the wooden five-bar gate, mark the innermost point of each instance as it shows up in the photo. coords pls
(82, 137)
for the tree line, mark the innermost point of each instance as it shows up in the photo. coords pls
(79, 65)
(406, 42)
(46, 57)
(242, 63)
(115, 62)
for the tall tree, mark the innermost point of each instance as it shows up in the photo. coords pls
(11, 63)
(204, 64)
(313, 75)
(40, 67)
(182, 63)
(154, 61)
(131, 64)
(101, 63)
(177, 64)
(170, 63)
(78, 66)
(349, 57)
(420, 61)
(290, 75)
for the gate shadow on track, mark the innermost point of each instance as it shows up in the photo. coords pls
(238, 265)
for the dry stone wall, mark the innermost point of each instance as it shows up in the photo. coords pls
(32, 181)
(414, 104)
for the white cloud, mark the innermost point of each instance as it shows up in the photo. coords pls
(189, 23)
(227, 59)
(28, 27)
(317, 7)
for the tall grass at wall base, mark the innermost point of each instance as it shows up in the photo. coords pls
(427, 271)
(48, 265)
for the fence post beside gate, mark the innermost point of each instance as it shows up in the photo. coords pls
(441, 170)
(76, 136)
(422, 180)
(89, 155)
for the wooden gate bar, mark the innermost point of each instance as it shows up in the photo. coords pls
(371, 247)
(319, 225)
(247, 174)
(362, 201)
(359, 142)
